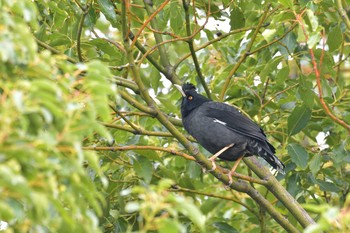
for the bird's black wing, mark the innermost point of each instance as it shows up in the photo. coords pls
(234, 120)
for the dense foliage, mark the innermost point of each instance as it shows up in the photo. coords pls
(90, 135)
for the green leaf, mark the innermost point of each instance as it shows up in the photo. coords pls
(270, 67)
(6, 212)
(193, 170)
(286, 3)
(314, 38)
(298, 119)
(315, 164)
(282, 75)
(108, 10)
(209, 205)
(298, 155)
(269, 34)
(143, 168)
(169, 225)
(305, 91)
(335, 38)
(237, 19)
(313, 20)
(107, 48)
(327, 186)
(224, 227)
(187, 208)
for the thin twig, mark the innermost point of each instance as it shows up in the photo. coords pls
(149, 20)
(177, 188)
(54, 51)
(318, 79)
(193, 53)
(143, 108)
(132, 125)
(126, 148)
(140, 131)
(224, 35)
(275, 40)
(244, 55)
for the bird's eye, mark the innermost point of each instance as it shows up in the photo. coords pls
(190, 97)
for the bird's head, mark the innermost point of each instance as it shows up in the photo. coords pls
(190, 98)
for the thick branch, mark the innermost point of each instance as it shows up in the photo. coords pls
(127, 83)
(343, 14)
(279, 191)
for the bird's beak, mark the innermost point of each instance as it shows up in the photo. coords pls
(180, 90)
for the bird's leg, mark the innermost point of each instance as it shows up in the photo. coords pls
(217, 154)
(232, 171)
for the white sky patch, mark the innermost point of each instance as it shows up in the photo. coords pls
(166, 83)
(214, 25)
(321, 140)
(3, 225)
(257, 80)
(153, 95)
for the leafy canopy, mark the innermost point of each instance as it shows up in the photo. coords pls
(90, 139)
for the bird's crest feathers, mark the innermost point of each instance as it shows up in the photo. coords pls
(188, 87)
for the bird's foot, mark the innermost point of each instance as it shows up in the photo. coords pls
(217, 154)
(228, 186)
(213, 165)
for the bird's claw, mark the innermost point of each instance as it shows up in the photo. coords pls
(213, 167)
(228, 186)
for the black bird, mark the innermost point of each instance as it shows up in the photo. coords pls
(223, 130)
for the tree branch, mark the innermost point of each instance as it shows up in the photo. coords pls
(238, 185)
(80, 29)
(54, 51)
(279, 191)
(318, 79)
(343, 14)
(127, 83)
(177, 188)
(154, 13)
(162, 53)
(126, 148)
(244, 55)
(193, 53)
(212, 42)
(133, 102)
(274, 41)
(139, 131)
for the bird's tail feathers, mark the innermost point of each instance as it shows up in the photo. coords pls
(274, 162)
(266, 151)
